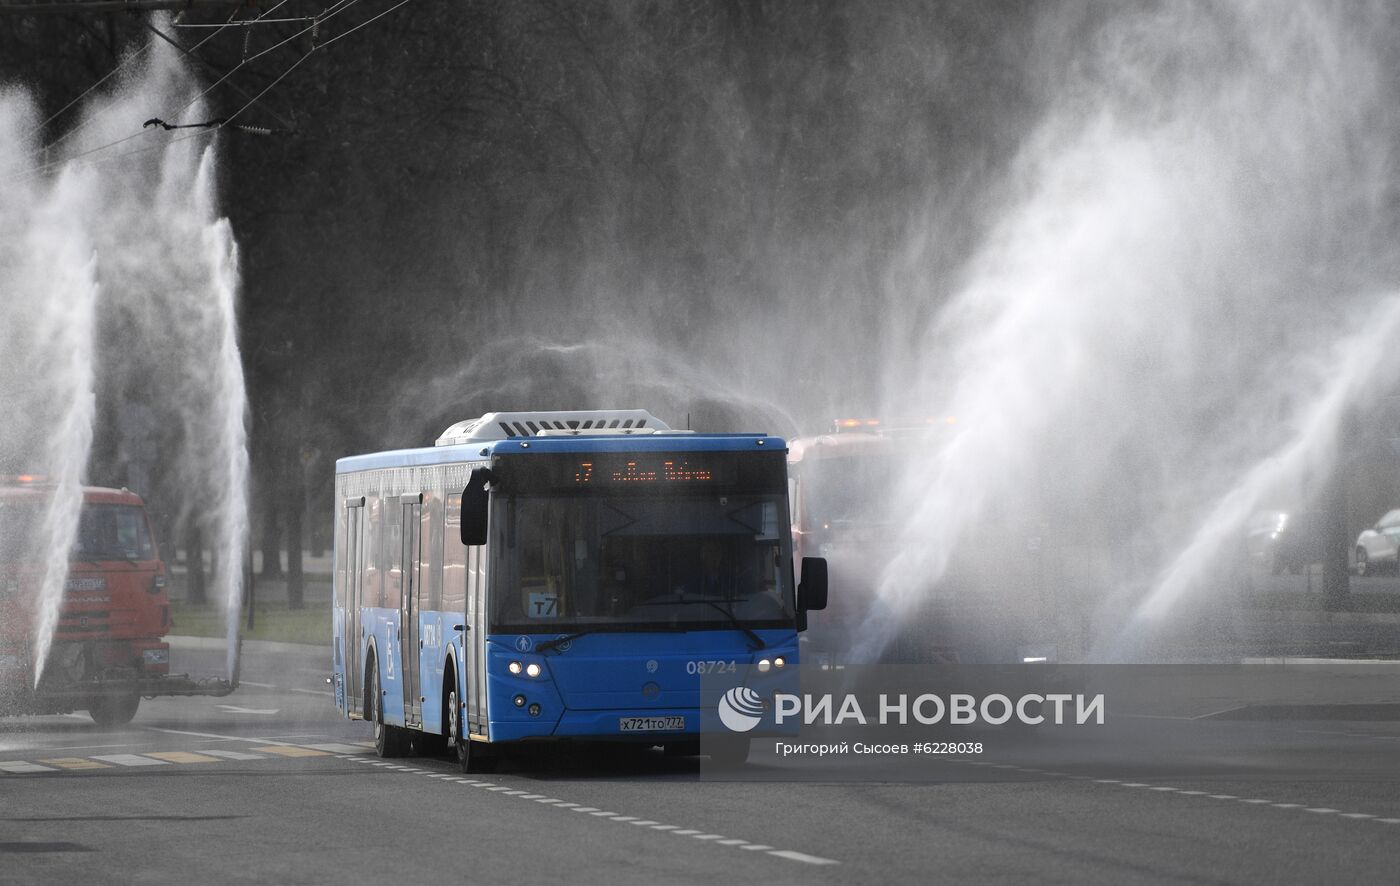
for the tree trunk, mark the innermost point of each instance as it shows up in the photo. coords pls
(194, 564)
(296, 506)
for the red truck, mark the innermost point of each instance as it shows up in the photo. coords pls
(847, 488)
(108, 649)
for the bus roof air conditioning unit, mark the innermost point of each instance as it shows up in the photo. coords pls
(506, 425)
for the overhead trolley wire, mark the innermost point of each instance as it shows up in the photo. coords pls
(225, 122)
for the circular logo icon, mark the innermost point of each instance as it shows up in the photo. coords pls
(522, 643)
(564, 646)
(652, 666)
(740, 709)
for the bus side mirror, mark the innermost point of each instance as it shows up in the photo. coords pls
(811, 593)
(474, 507)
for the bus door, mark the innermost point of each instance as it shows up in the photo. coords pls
(409, 642)
(354, 584)
(476, 640)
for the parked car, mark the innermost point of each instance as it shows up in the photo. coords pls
(1285, 541)
(1376, 547)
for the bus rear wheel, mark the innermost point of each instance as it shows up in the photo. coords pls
(389, 741)
(114, 710)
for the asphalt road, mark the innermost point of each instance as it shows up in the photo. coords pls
(270, 786)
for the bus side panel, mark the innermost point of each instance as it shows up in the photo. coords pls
(435, 630)
(382, 626)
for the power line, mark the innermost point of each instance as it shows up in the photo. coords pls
(215, 125)
(119, 67)
(51, 7)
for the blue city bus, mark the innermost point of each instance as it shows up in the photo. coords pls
(562, 575)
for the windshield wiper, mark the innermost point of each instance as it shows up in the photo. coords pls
(560, 641)
(728, 613)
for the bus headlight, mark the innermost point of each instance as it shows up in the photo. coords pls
(778, 662)
(513, 667)
(532, 670)
(519, 701)
(764, 665)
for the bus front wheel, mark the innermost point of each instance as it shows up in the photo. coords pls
(471, 757)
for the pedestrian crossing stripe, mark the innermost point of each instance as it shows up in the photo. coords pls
(19, 767)
(181, 757)
(130, 760)
(233, 755)
(76, 763)
(165, 758)
(289, 750)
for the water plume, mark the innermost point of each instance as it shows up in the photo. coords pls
(1191, 213)
(121, 287)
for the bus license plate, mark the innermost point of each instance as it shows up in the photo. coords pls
(651, 724)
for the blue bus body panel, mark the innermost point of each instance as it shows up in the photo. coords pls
(586, 690)
(381, 627)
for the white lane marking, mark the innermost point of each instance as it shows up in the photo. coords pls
(215, 735)
(131, 760)
(1288, 805)
(717, 839)
(337, 748)
(313, 692)
(802, 856)
(238, 709)
(1320, 810)
(259, 685)
(1257, 802)
(234, 755)
(1223, 797)
(1159, 788)
(1132, 784)
(1106, 781)
(1389, 820)
(1357, 815)
(1192, 793)
(19, 766)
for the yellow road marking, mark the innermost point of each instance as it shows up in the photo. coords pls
(181, 757)
(291, 751)
(75, 763)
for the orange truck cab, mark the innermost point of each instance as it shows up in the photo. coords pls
(107, 649)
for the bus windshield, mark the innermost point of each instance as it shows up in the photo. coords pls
(620, 562)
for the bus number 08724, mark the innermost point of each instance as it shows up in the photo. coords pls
(710, 667)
